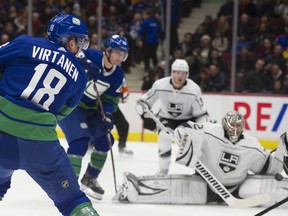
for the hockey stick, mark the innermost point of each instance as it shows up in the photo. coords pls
(107, 135)
(213, 182)
(272, 207)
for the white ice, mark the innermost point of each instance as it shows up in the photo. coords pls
(26, 198)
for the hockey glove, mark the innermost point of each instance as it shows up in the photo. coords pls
(106, 125)
(142, 107)
(91, 69)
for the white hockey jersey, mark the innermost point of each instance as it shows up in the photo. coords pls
(177, 104)
(230, 163)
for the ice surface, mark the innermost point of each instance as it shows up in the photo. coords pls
(26, 198)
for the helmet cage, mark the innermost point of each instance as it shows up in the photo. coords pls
(234, 125)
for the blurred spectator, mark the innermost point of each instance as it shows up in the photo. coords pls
(248, 7)
(222, 25)
(285, 85)
(244, 27)
(4, 38)
(133, 28)
(255, 81)
(226, 9)
(264, 49)
(208, 25)
(150, 32)
(266, 7)
(281, 8)
(10, 30)
(216, 58)
(186, 45)
(282, 39)
(276, 57)
(160, 70)
(112, 25)
(140, 6)
(277, 87)
(244, 62)
(220, 42)
(94, 41)
(205, 48)
(276, 74)
(199, 32)
(148, 79)
(92, 24)
(217, 80)
(37, 26)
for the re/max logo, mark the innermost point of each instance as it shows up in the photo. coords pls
(261, 116)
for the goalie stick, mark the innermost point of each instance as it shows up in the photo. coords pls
(272, 207)
(212, 181)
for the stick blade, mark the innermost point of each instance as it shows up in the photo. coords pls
(248, 202)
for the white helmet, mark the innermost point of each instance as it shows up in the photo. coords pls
(180, 65)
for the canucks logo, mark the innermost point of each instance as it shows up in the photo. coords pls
(175, 109)
(228, 162)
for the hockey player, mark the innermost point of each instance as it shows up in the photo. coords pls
(86, 124)
(180, 100)
(122, 124)
(228, 152)
(42, 82)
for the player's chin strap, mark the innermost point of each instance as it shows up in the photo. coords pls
(212, 181)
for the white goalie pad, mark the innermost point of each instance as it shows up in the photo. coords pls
(190, 143)
(256, 184)
(169, 189)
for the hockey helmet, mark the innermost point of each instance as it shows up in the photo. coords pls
(62, 26)
(117, 42)
(234, 125)
(180, 65)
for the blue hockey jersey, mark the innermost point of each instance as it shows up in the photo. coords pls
(108, 84)
(41, 83)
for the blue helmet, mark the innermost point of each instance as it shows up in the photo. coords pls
(62, 26)
(119, 43)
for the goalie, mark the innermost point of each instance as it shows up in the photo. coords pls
(234, 157)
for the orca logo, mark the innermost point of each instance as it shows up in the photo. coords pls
(175, 109)
(228, 162)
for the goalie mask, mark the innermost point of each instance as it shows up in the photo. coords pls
(234, 125)
(179, 73)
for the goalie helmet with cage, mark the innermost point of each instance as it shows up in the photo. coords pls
(63, 26)
(119, 43)
(234, 125)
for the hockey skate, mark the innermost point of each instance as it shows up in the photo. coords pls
(91, 187)
(124, 152)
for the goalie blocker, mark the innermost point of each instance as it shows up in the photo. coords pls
(192, 189)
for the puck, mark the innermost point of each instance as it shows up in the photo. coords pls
(278, 177)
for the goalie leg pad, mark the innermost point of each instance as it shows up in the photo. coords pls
(257, 184)
(169, 189)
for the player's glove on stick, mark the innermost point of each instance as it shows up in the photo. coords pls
(106, 125)
(142, 109)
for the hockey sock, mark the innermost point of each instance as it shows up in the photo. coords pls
(76, 162)
(83, 210)
(97, 161)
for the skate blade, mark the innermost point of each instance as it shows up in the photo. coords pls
(92, 194)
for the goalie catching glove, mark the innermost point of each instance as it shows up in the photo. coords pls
(143, 110)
